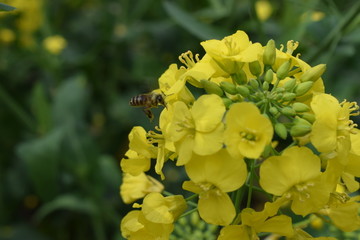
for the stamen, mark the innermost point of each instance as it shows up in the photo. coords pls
(291, 46)
(188, 60)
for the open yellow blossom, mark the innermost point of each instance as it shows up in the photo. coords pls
(135, 226)
(247, 131)
(136, 187)
(343, 211)
(199, 129)
(212, 177)
(296, 175)
(232, 51)
(332, 127)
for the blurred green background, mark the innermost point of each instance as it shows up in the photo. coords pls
(69, 67)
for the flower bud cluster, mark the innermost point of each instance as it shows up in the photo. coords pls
(263, 120)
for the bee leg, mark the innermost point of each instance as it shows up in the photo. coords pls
(149, 114)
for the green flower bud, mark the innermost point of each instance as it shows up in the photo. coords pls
(269, 76)
(239, 77)
(280, 90)
(300, 128)
(269, 53)
(211, 87)
(308, 117)
(265, 86)
(280, 130)
(303, 88)
(227, 102)
(273, 111)
(228, 87)
(289, 96)
(289, 85)
(255, 68)
(300, 107)
(278, 96)
(313, 73)
(194, 218)
(283, 70)
(254, 83)
(244, 91)
(288, 111)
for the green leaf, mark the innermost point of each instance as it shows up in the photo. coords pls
(41, 157)
(67, 202)
(187, 21)
(70, 102)
(41, 108)
(5, 7)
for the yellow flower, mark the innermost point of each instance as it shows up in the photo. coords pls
(296, 175)
(332, 127)
(263, 9)
(135, 226)
(172, 84)
(198, 130)
(134, 164)
(54, 44)
(7, 36)
(343, 211)
(255, 222)
(247, 131)
(159, 209)
(232, 51)
(212, 177)
(137, 158)
(136, 187)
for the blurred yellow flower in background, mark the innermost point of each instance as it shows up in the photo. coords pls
(54, 44)
(7, 36)
(263, 10)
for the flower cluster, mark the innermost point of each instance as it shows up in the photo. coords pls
(263, 123)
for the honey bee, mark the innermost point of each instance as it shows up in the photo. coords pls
(148, 101)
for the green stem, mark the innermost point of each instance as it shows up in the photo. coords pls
(166, 193)
(188, 212)
(192, 197)
(17, 110)
(251, 178)
(239, 195)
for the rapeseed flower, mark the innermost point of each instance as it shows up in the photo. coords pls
(199, 129)
(212, 177)
(247, 131)
(260, 121)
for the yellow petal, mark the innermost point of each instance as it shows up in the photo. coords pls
(296, 165)
(281, 225)
(209, 143)
(207, 112)
(234, 232)
(159, 209)
(220, 169)
(215, 207)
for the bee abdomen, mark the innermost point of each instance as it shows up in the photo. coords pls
(139, 100)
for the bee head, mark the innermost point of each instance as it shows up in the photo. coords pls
(160, 99)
